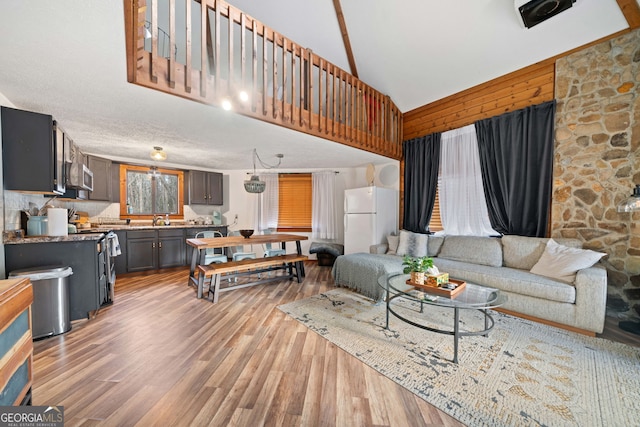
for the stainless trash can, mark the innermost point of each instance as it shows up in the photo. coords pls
(50, 308)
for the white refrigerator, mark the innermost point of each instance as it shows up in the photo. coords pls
(370, 214)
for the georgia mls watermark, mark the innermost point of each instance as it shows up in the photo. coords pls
(31, 416)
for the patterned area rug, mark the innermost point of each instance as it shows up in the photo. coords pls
(522, 374)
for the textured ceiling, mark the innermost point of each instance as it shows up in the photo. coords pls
(67, 58)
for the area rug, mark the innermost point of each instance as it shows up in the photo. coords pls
(522, 374)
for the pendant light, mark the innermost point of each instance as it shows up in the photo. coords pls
(255, 185)
(632, 203)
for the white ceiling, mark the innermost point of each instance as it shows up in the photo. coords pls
(67, 58)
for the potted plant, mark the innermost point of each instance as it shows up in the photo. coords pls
(417, 266)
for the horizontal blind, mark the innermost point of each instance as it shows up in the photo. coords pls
(294, 201)
(435, 224)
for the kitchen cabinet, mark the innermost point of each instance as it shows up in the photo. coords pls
(32, 152)
(101, 169)
(205, 188)
(85, 259)
(115, 182)
(154, 249)
(142, 253)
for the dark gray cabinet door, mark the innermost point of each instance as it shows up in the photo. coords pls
(101, 169)
(215, 189)
(171, 247)
(142, 254)
(205, 188)
(29, 152)
(171, 252)
(198, 192)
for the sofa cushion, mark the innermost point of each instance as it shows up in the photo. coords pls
(509, 280)
(412, 244)
(472, 249)
(434, 244)
(562, 262)
(393, 241)
(524, 252)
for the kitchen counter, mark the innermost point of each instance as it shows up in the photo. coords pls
(94, 233)
(14, 240)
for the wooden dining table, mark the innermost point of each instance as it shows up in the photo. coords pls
(200, 245)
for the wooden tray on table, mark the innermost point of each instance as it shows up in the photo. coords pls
(441, 291)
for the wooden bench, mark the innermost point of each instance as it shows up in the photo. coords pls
(249, 266)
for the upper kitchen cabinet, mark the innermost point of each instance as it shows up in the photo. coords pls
(32, 152)
(205, 188)
(102, 179)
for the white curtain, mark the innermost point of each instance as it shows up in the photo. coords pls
(323, 205)
(463, 208)
(269, 202)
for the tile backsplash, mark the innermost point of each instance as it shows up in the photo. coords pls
(15, 202)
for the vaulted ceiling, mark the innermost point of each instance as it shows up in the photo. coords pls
(67, 58)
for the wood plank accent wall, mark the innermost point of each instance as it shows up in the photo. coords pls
(287, 85)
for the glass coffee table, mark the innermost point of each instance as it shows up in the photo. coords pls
(472, 297)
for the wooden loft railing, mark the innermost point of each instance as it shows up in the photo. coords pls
(287, 84)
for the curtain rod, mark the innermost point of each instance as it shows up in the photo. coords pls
(291, 173)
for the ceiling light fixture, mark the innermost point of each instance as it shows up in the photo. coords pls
(238, 99)
(632, 203)
(158, 154)
(254, 184)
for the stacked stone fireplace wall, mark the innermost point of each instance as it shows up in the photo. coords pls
(597, 160)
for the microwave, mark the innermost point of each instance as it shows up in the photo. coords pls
(80, 176)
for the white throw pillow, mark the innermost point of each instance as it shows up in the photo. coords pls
(392, 244)
(562, 262)
(412, 244)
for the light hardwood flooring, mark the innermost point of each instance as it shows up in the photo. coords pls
(161, 357)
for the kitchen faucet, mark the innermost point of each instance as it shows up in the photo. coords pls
(155, 220)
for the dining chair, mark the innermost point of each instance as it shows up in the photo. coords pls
(238, 251)
(268, 249)
(212, 255)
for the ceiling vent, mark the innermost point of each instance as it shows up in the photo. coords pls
(534, 12)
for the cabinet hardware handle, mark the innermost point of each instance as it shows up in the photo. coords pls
(205, 197)
(160, 245)
(153, 245)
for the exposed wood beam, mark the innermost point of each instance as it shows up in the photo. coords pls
(631, 12)
(345, 37)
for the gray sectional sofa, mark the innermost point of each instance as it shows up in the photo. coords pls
(502, 263)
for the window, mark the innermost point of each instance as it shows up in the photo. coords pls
(294, 202)
(148, 191)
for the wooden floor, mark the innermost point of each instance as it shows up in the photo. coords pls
(161, 357)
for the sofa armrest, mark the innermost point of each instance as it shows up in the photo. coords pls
(380, 248)
(591, 297)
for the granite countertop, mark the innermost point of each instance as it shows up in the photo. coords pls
(96, 233)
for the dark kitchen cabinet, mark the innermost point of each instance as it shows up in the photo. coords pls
(115, 182)
(205, 188)
(86, 259)
(32, 152)
(101, 169)
(142, 253)
(153, 249)
(171, 248)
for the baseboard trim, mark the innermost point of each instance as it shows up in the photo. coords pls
(547, 322)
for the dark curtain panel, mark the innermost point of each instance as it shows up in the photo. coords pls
(516, 158)
(421, 163)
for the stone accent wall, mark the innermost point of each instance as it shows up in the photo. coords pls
(597, 160)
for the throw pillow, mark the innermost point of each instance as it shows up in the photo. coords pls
(562, 262)
(392, 243)
(412, 244)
